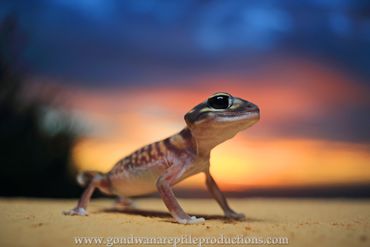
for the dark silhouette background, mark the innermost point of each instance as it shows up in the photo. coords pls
(33, 161)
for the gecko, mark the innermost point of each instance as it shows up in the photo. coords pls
(161, 165)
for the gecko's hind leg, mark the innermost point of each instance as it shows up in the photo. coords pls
(124, 202)
(94, 180)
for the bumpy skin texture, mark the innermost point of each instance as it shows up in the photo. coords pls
(160, 165)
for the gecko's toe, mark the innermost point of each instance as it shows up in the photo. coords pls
(190, 220)
(182, 221)
(195, 220)
(76, 211)
(235, 216)
(125, 204)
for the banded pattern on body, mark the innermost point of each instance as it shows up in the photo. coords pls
(176, 144)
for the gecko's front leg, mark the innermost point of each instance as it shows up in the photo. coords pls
(164, 184)
(220, 198)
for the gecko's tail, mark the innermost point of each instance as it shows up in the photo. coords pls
(85, 177)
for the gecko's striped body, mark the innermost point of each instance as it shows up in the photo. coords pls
(137, 173)
(160, 165)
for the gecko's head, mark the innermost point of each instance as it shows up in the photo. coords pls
(222, 114)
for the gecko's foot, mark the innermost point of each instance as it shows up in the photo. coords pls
(125, 203)
(235, 216)
(76, 211)
(191, 220)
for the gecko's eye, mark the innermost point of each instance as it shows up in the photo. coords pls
(220, 102)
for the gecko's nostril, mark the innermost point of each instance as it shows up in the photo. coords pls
(252, 107)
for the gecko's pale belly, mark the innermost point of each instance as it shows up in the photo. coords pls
(136, 182)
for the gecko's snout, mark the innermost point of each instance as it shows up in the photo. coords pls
(252, 107)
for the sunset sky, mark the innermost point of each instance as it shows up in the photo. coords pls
(128, 71)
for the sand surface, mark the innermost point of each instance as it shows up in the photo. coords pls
(34, 222)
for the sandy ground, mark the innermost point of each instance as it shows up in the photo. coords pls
(31, 222)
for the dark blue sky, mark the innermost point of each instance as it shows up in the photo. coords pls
(96, 42)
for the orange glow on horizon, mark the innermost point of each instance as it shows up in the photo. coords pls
(239, 164)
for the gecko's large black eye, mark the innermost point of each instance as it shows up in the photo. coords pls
(219, 102)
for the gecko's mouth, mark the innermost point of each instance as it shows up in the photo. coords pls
(245, 115)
